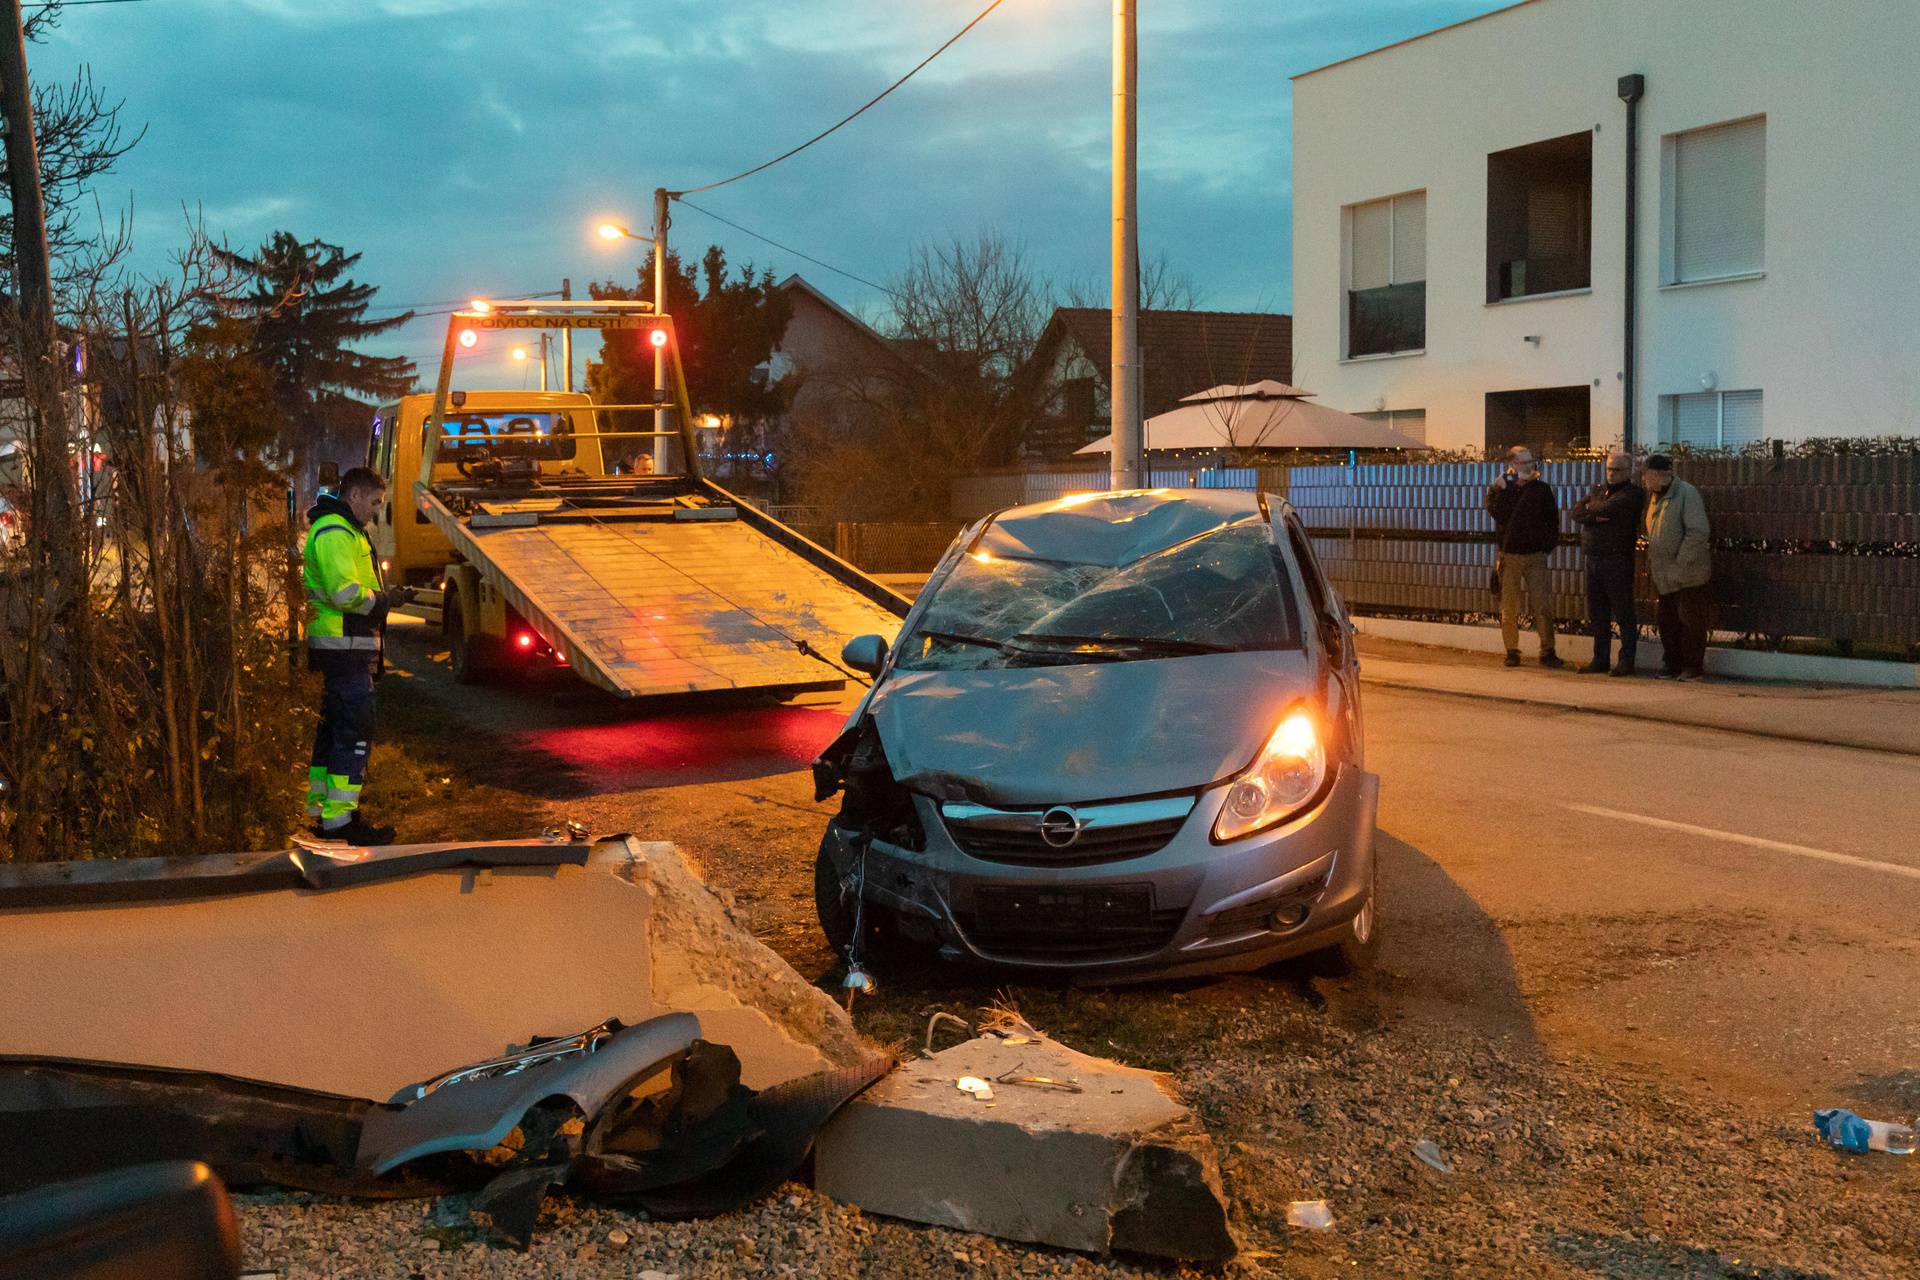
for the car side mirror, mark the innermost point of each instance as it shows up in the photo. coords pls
(866, 654)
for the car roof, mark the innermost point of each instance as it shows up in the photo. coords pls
(1113, 528)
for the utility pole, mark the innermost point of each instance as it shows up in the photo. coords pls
(566, 339)
(661, 453)
(1124, 378)
(33, 286)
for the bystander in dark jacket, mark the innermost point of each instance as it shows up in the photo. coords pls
(1526, 529)
(1609, 523)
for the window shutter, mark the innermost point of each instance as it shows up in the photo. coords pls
(1719, 201)
(1372, 245)
(1409, 238)
(1696, 420)
(1740, 419)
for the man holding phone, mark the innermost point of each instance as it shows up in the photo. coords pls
(1526, 529)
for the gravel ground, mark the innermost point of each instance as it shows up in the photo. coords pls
(1565, 1163)
(1312, 1091)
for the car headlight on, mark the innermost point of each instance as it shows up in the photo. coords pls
(1286, 775)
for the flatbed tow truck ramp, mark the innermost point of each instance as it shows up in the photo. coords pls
(646, 584)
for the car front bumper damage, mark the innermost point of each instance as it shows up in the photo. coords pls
(1189, 906)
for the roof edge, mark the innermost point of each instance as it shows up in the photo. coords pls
(1451, 26)
(813, 291)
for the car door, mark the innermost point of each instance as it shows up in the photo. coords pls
(1328, 618)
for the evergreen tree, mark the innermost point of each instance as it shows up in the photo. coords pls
(726, 330)
(306, 316)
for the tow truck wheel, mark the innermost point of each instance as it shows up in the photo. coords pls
(468, 652)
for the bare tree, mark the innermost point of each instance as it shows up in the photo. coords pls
(1163, 287)
(81, 137)
(157, 715)
(950, 392)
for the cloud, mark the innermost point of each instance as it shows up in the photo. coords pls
(490, 101)
(468, 146)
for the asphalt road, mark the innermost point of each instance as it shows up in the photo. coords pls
(1649, 950)
(1740, 910)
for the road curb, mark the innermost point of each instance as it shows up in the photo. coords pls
(1406, 686)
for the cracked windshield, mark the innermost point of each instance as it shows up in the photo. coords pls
(1221, 592)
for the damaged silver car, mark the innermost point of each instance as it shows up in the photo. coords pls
(1119, 735)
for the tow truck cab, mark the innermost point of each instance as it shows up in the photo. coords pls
(536, 431)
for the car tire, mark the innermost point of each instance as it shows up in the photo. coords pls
(882, 942)
(834, 911)
(1360, 941)
(469, 653)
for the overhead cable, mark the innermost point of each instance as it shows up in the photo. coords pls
(828, 266)
(787, 155)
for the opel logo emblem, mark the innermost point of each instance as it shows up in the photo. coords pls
(1060, 827)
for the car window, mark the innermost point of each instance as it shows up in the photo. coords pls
(1225, 590)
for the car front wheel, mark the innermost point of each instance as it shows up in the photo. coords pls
(1360, 941)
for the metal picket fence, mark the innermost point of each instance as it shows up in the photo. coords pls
(1824, 546)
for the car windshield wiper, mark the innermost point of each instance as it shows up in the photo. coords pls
(961, 637)
(1162, 644)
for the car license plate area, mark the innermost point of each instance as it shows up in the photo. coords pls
(1111, 908)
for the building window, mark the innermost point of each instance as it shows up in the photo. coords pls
(1715, 202)
(1540, 218)
(1712, 419)
(1408, 422)
(1542, 418)
(1387, 276)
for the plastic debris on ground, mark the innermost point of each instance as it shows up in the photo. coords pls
(1428, 1152)
(1845, 1131)
(1312, 1215)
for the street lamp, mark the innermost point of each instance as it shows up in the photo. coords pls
(614, 231)
(520, 354)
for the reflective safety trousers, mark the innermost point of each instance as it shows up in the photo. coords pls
(343, 587)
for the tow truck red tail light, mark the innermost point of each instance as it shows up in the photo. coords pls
(524, 639)
(658, 337)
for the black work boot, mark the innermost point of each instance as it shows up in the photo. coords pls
(1551, 660)
(358, 831)
(1513, 657)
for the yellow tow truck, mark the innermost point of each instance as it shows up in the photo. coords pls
(530, 551)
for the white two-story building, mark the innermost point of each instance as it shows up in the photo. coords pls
(1462, 220)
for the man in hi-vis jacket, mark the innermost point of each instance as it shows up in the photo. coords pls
(346, 616)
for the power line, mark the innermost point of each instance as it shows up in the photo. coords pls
(856, 115)
(871, 284)
(73, 4)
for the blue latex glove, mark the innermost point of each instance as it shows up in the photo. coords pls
(1843, 1129)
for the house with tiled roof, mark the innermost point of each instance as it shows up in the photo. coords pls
(1181, 352)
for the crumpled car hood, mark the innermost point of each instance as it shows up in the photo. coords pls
(1095, 731)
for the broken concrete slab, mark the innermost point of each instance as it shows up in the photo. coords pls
(1121, 1164)
(704, 960)
(415, 967)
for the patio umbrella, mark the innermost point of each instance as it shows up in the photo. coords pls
(1260, 415)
